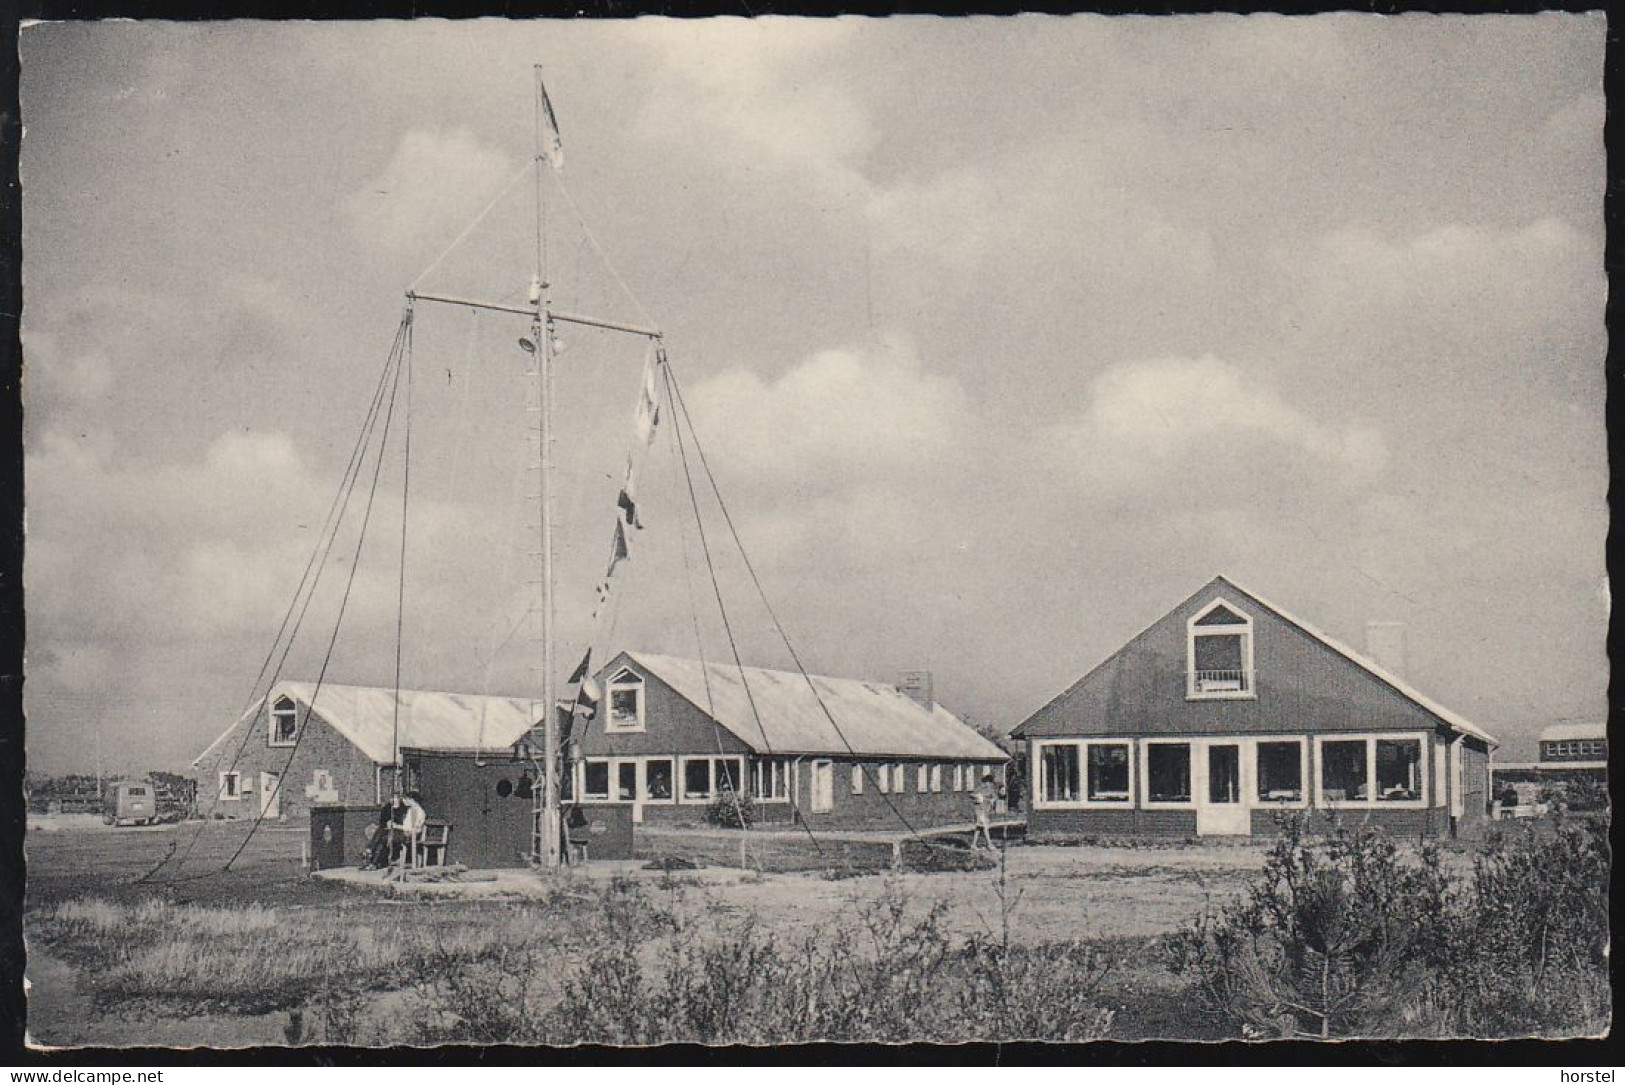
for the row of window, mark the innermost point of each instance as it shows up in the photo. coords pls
(1585, 747)
(679, 779)
(929, 777)
(703, 779)
(1351, 771)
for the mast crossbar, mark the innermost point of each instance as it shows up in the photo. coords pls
(549, 314)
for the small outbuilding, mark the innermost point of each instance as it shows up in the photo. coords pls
(1228, 711)
(673, 737)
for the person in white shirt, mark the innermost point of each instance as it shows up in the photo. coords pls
(405, 824)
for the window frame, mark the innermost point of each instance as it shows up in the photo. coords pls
(625, 680)
(857, 778)
(1371, 802)
(236, 794)
(1305, 768)
(275, 713)
(1244, 629)
(643, 780)
(769, 764)
(1148, 803)
(936, 779)
(1083, 802)
(609, 780)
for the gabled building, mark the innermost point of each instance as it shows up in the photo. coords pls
(1573, 766)
(1227, 711)
(672, 736)
(300, 747)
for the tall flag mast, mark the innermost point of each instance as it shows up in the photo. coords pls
(541, 346)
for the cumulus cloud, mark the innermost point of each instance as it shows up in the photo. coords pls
(437, 181)
(838, 417)
(1204, 418)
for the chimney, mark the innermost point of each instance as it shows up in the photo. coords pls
(1385, 645)
(916, 685)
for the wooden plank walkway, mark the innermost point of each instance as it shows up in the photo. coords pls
(894, 837)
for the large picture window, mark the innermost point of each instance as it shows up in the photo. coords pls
(697, 779)
(1059, 774)
(595, 780)
(1280, 771)
(657, 779)
(1343, 775)
(1373, 769)
(1399, 769)
(1168, 772)
(1108, 772)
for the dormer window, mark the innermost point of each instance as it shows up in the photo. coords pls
(625, 702)
(284, 722)
(1219, 653)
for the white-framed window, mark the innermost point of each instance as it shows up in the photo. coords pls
(883, 778)
(1281, 771)
(1380, 770)
(1167, 772)
(770, 779)
(936, 778)
(231, 788)
(922, 779)
(707, 778)
(898, 784)
(284, 723)
(595, 780)
(1085, 772)
(659, 783)
(857, 779)
(1219, 653)
(625, 696)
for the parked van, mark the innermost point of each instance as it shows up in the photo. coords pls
(129, 803)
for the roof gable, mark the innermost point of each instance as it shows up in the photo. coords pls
(367, 717)
(775, 711)
(1218, 588)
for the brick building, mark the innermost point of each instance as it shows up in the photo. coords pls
(300, 747)
(1227, 711)
(672, 736)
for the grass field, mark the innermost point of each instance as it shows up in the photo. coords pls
(225, 957)
(265, 954)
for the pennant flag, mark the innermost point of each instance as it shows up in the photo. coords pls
(630, 508)
(581, 668)
(552, 145)
(587, 698)
(618, 552)
(648, 412)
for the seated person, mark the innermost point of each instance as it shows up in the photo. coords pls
(406, 818)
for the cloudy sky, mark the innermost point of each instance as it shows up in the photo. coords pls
(1003, 336)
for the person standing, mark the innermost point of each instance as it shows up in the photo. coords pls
(984, 798)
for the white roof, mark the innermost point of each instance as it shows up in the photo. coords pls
(869, 718)
(430, 721)
(1455, 720)
(1567, 732)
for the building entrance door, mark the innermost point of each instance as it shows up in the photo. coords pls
(1221, 807)
(270, 795)
(823, 787)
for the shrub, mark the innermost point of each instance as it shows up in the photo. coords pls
(1530, 938)
(1325, 943)
(731, 811)
(1339, 938)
